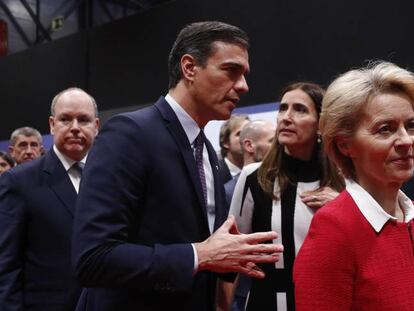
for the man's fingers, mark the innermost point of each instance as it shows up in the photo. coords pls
(261, 258)
(268, 248)
(259, 237)
(252, 270)
(234, 229)
(269, 254)
(227, 225)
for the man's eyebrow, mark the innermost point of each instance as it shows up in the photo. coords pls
(236, 64)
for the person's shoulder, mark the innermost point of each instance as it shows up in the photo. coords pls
(25, 175)
(341, 211)
(29, 167)
(251, 168)
(141, 119)
(139, 115)
(339, 204)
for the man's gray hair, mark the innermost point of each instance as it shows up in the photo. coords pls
(25, 131)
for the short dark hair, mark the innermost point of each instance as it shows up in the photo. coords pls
(197, 40)
(8, 158)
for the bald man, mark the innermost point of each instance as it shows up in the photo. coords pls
(37, 203)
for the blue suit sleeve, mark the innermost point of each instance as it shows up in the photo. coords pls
(107, 246)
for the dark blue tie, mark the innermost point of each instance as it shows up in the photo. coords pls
(199, 144)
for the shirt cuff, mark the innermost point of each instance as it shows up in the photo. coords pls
(195, 258)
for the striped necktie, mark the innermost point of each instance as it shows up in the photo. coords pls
(199, 144)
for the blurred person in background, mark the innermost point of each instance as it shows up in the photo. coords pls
(231, 161)
(255, 140)
(283, 191)
(25, 144)
(256, 137)
(6, 162)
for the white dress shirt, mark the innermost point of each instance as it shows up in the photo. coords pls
(192, 130)
(234, 169)
(67, 163)
(372, 211)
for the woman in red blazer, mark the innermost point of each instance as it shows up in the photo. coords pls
(359, 252)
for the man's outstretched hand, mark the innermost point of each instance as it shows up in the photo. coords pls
(227, 250)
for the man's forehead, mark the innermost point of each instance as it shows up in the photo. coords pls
(84, 106)
(24, 138)
(27, 138)
(220, 46)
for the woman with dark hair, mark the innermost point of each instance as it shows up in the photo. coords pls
(283, 192)
(6, 162)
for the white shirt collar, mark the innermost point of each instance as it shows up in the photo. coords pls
(372, 211)
(66, 161)
(234, 169)
(190, 126)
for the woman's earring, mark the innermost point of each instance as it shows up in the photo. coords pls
(319, 139)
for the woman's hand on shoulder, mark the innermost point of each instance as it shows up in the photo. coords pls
(317, 198)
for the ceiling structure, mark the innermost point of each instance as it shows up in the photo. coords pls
(33, 22)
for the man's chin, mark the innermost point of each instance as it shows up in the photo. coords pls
(224, 115)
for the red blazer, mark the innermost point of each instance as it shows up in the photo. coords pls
(344, 264)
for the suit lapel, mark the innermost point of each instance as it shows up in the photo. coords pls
(59, 181)
(178, 133)
(220, 212)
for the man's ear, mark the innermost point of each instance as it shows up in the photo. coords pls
(188, 65)
(248, 145)
(97, 123)
(226, 145)
(51, 124)
(11, 151)
(343, 145)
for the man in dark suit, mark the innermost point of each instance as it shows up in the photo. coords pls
(151, 194)
(37, 204)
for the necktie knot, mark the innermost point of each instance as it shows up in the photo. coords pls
(78, 167)
(199, 141)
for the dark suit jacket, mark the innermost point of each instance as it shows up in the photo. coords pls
(408, 188)
(139, 208)
(37, 202)
(229, 189)
(224, 171)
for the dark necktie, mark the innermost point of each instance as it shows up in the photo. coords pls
(199, 144)
(78, 166)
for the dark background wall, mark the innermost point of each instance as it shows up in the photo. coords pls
(124, 64)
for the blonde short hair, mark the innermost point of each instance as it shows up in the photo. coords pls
(347, 97)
